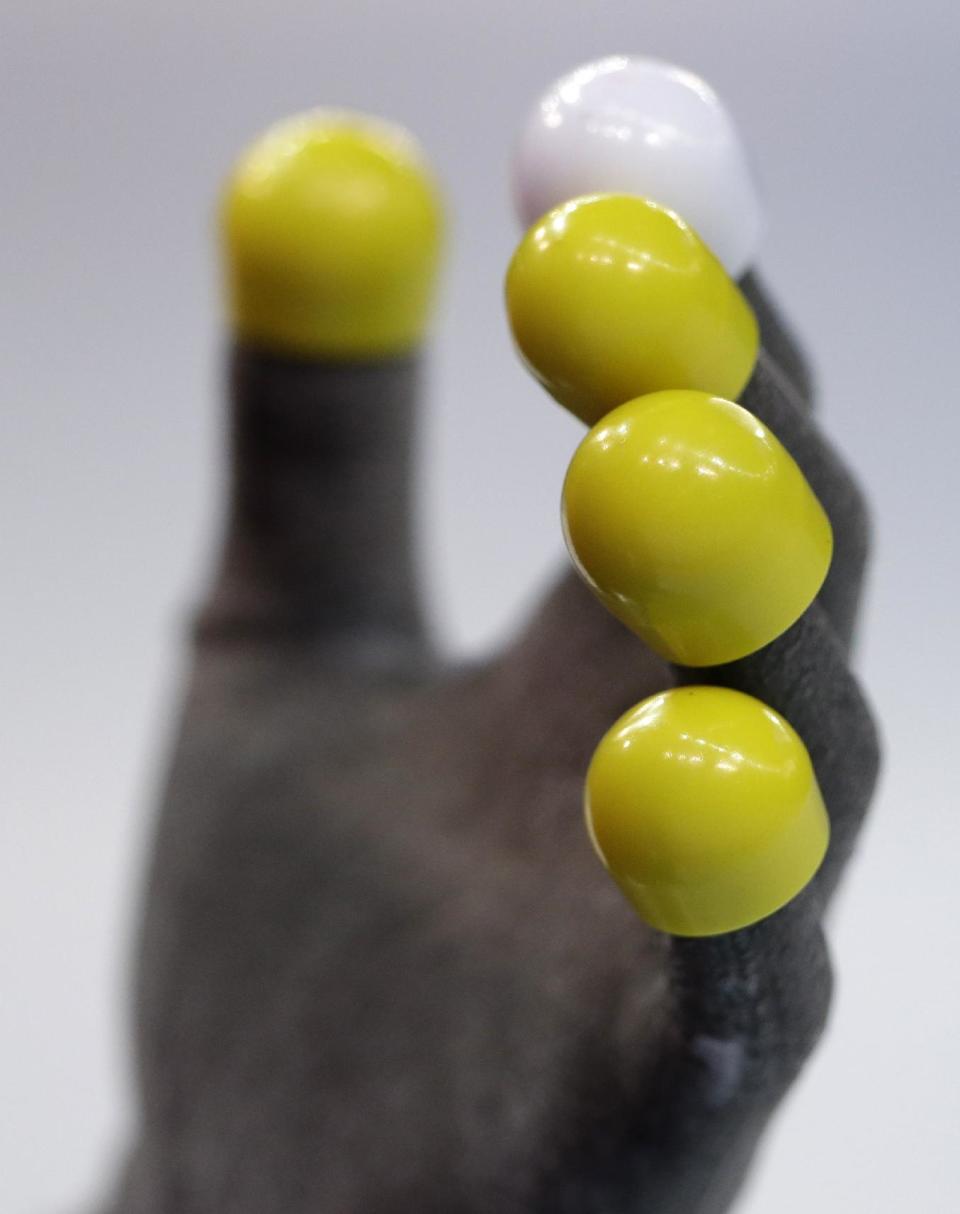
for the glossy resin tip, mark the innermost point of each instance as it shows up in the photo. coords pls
(331, 224)
(631, 125)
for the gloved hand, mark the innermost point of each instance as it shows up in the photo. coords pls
(381, 968)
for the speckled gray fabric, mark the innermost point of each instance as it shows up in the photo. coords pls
(380, 969)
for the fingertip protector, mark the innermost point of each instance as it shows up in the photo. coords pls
(331, 223)
(703, 805)
(611, 297)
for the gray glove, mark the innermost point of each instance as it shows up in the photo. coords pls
(381, 969)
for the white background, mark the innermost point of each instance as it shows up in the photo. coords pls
(117, 121)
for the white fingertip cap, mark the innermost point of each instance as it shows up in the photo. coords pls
(629, 125)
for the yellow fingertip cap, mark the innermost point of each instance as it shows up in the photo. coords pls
(704, 807)
(611, 296)
(694, 526)
(332, 227)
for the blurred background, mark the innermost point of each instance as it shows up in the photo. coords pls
(119, 120)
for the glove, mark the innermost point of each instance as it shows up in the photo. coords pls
(380, 968)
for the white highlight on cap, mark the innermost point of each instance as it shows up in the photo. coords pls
(630, 125)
